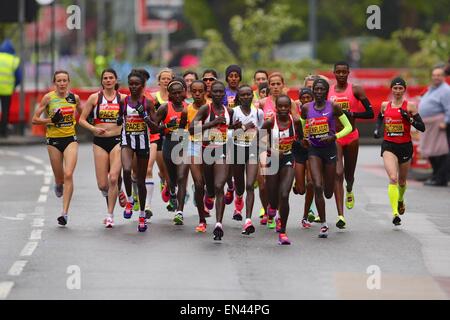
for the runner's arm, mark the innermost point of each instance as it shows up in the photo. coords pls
(360, 94)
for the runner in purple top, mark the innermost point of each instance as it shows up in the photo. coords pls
(320, 137)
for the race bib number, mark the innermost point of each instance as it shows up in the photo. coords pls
(230, 100)
(218, 135)
(135, 126)
(109, 112)
(343, 102)
(245, 137)
(318, 127)
(68, 117)
(394, 127)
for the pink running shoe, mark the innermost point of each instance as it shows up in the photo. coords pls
(239, 203)
(306, 224)
(283, 239)
(271, 212)
(165, 194)
(278, 226)
(128, 212)
(229, 196)
(248, 227)
(122, 199)
(142, 226)
(264, 219)
(209, 202)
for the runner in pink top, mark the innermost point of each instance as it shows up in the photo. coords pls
(349, 97)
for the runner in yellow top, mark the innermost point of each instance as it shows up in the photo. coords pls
(61, 106)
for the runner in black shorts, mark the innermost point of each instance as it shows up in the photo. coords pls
(397, 116)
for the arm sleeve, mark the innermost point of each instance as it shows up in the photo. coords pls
(347, 127)
(368, 114)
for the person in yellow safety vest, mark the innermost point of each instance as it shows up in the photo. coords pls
(10, 77)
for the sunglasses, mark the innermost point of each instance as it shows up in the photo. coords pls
(209, 79)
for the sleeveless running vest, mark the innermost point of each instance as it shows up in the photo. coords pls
(106, 111)
(246, 138)
(67, 105)
(282, 139)
(396, 129)
(191, 113)
(321, 124)
(217, 135)
(346, 99)
(172, 116)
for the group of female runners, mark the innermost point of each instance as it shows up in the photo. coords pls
(226, 135)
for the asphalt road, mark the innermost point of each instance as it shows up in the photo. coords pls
(369, 260)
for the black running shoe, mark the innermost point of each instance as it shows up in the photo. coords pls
(396, 221)
(218, 232)
(62, 221)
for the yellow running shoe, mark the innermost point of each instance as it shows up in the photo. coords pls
(341, 222)
(349, 200)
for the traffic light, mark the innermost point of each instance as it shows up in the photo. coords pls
(9, 10)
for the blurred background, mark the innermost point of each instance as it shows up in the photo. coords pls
(296, 37)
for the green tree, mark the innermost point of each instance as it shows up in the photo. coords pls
(384, 53)
(216, 54)
(257, 32)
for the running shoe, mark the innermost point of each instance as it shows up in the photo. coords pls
(209, 202)
(248, 227)
(201, 227)
(136, 205)
(317, 219)
(306, 224)
(278, 225)
(108, 222)
(218, 231)
(271, 212)
(148, 212)
(262, 212)
(396, 221)
(165, 193)
(341, 222)
(271, 224)
(62, 220)
(237, 215)
(401, 207)
(59, 190)
(264, 219)
(128, 212)
(122, 199)
(207, 214)
(229, 196)
(311, 216)
(173, 203)
(142, 226)
(283, 239)
(178, 219)
(323, 232)
(349, 200)
(239, 203)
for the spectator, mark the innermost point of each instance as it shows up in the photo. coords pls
(434, 107)
(10, 77)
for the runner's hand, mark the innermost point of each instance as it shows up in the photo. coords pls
(57, 117)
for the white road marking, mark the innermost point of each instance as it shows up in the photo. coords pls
(18, 217)
(38, 223)
(5, 288)
(45, 189)
(42, 198)
(28, 249)
(30, 168)
(36, 234)
(39, 172)
(47, 180)
(17, 268)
